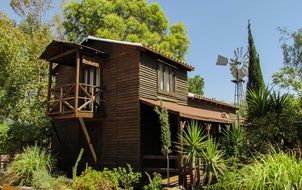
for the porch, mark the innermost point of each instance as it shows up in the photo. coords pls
(213, 123)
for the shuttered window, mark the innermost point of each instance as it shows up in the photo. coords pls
(166, 78)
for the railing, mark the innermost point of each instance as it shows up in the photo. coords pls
(63, 99)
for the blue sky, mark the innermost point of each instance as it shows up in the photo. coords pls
(218, 27)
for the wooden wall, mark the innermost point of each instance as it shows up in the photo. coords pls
(149, 82)
(121, 129)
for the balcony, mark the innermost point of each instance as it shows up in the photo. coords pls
(71, 100)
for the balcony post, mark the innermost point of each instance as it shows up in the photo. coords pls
(49, 85)
(78, 62)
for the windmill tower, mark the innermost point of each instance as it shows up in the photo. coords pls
(239, 68)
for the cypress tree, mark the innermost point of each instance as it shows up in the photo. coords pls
(255, 78)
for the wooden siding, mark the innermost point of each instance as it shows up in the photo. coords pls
(121, 130)
(182, 87)
(149, 81)
(148, 77)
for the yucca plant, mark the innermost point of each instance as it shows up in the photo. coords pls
(193, 142)
(213, 163)
(233, 141)
(20, 171)
(258, 102)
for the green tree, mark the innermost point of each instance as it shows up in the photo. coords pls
(289, 76)
(165, 134)
(255, 78)
(23, 77)
(196, 85)
(129, 20)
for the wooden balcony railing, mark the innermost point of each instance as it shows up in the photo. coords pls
(63, 99)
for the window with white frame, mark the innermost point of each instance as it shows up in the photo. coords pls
(166, 78)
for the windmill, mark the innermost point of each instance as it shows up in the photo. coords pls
(239, 68)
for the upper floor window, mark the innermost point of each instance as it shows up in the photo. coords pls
(166, 78)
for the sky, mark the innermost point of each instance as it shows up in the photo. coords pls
(219, 27)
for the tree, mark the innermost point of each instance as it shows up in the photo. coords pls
(255, 78)
(290, 75)
(165, 134)
(23, 78)
(196, 85)
(129, 20)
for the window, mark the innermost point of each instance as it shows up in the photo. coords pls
(166, 78)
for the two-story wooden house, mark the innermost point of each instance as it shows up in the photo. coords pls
(102, 95)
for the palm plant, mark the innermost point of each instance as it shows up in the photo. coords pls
(213, 162)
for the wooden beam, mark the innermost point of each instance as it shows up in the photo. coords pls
(77, 74)
(83, 126)
(90, 63)
(62, 55)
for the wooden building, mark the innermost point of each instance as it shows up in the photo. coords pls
(102, 95)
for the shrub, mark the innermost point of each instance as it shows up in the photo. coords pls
(277, 170)
(20, 171)
(42, 180)
(155, 183)
(127, 178)
(92, 180)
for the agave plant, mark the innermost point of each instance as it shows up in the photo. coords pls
(213, 162)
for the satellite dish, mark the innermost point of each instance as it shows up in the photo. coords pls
(221, 60)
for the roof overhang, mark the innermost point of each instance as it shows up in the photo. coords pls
(191, 112)
(61, 52)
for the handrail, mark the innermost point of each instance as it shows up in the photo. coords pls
(62, 98)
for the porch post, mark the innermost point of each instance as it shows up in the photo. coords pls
(77, 73)
(181, 167)
(49, 84)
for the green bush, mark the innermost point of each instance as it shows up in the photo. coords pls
(42, 180)
(277, 170)
(20, 171)
(92, 180)
(155, 183)
(127, 178)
